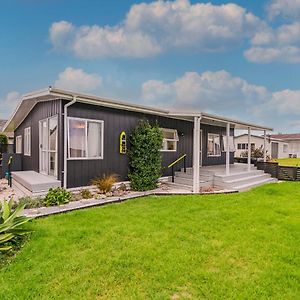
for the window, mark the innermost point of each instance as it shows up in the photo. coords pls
(213, 145)
(239, 146)
(19, 144)
(170, 139)
(231, 144)
(285, 148)
(27, 141)
(85, 139)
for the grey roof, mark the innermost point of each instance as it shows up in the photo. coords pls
(28, 101)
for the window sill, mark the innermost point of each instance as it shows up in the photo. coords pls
(214, 155)
(85, 158)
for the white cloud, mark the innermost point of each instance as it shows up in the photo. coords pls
(78, 80)
(276, 45)
(9, 103)
(284, 8)
(216, 91)
(150, 29)
(221, 93)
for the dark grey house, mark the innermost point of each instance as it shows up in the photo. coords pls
(72, 138)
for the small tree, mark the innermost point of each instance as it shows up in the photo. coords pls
(145, 156)
(3, 142)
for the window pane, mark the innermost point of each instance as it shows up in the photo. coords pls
(77, 142)
(52, 133)
(94, 139)
(171, 145)
(168, 134)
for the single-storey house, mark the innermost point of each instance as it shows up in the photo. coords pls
(70, 138)
(293, 141)
(275, 147)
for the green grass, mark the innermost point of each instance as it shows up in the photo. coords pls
(237, 246)
(295, 162)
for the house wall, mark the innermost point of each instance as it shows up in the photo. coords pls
(294, 147)
(80, 172)
(259, 143)
(41, 111)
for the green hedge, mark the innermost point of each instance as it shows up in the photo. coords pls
(145, 156)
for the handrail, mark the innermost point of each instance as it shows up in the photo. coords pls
(176, 161)
(171, 165)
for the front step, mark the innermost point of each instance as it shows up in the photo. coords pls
(248, 186)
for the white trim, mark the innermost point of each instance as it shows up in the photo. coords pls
(19, 140)
(196, 155)
(249, 149)
(227, 149)
(27, 141)
(86, 137)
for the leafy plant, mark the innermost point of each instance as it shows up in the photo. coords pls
(57, 196)
(105, 183)
(86, 194)
(3, 139)
(11, 224)
(145, 156)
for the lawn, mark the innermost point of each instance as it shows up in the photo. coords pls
(288, 162)
(235, 246)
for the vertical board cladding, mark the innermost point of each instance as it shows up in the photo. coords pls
(40, 111)
(81, 172)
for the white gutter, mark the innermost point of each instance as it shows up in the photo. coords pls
(66, 139)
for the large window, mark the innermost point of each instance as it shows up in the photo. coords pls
(85, 139)
(213, 145)
(170, 139)
(27, 141)
(19, 144)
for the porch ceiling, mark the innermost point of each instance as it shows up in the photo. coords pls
(220, 121)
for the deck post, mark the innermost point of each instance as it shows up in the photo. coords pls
(249, 149)
(65, 176)
(265, 150)
(196, 155)
(227, 149)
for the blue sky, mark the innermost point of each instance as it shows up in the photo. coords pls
(234, 58)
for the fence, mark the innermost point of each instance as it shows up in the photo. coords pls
(279, 172)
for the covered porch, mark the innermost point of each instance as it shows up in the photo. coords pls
(228, 170)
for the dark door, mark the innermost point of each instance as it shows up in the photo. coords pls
(274, 150)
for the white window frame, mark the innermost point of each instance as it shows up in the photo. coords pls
(174, 140)
(86, 143)
(220, 151)
(19, 146)
(285, 147)
(27, 141)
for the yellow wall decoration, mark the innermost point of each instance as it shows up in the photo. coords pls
(123, 146)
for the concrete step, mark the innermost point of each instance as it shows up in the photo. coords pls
(34, 182)
(180, 186)
(203, 177)
(249, 186)
(238, 175)
(245, 180)
(189, 182)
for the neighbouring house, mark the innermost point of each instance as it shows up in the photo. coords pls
(293, 141)
(275, 147)
(66, 139)
(10, 135)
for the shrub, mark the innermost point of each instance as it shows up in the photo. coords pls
(29, 202)
(86, 194)
(57, 196)
(105, 183)
(145, 156)
(11, 225)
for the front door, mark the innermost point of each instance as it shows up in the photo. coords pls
(48, 146)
